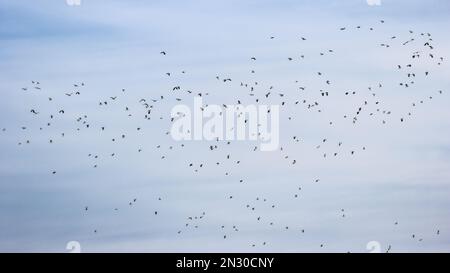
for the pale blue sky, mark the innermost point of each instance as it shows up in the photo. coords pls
(403, 175)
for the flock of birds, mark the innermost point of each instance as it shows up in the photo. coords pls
(422, 50)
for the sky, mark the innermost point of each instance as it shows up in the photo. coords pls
(400, 172)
